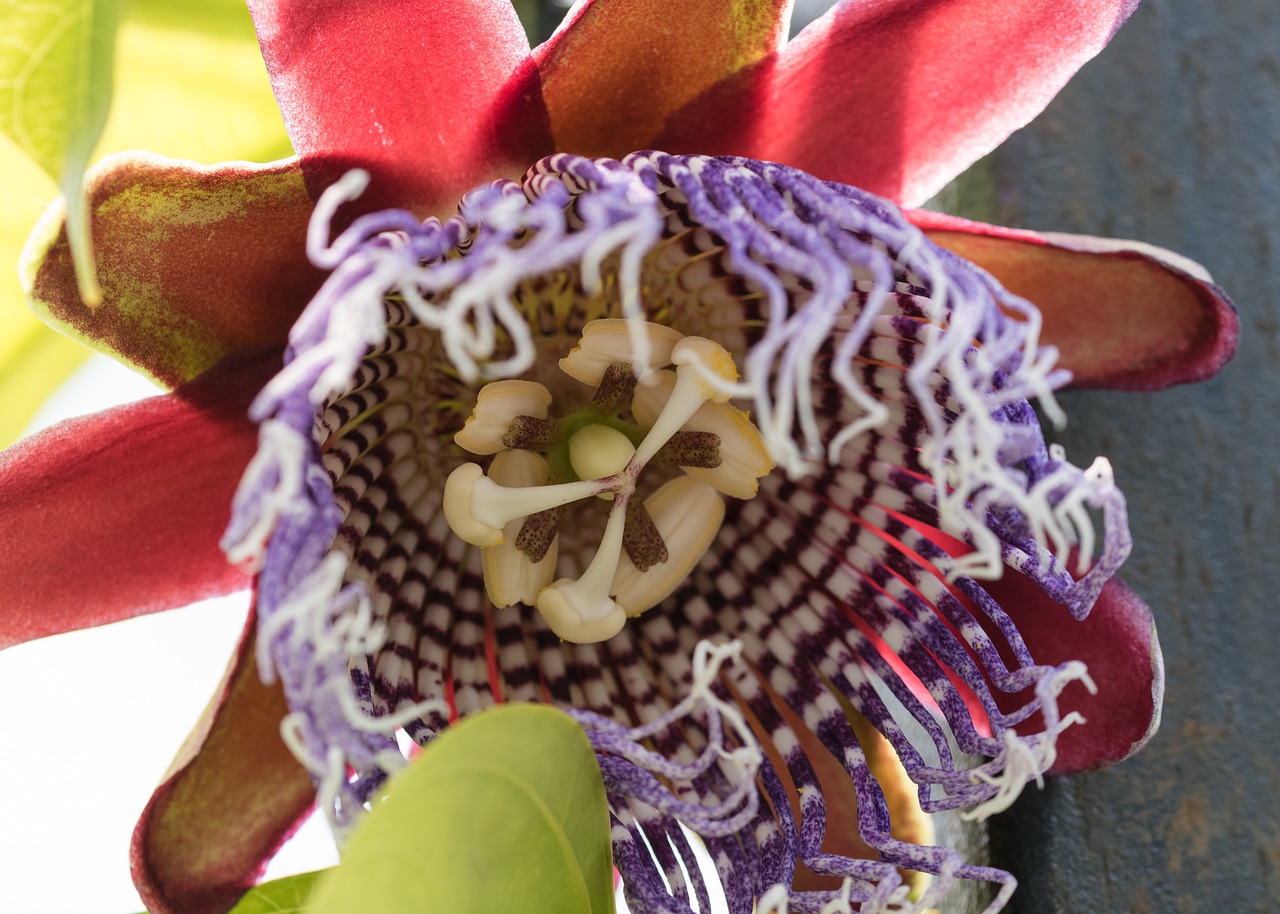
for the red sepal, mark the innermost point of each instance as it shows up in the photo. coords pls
(232, 796)
(118, 514)
(899, 96)
(1124, 314)
(1118, 644)
(432, 98)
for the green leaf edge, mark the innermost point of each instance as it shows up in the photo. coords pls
(100, 42)
(91, 26)
(268, 897)
(262, 898)
(458, 763)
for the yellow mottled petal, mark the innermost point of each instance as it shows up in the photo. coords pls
(688, 513)
(608, 341)
(165, 231)
(615, 72)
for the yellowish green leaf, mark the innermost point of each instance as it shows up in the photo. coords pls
(506, 812)
(55, 90)
(55, 78)
(280, 896)
(190, 83)
(34, 360)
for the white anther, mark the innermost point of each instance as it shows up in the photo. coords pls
(509, 575)
(582, 611)
(496, 407)
(477, 508)
(607, 341)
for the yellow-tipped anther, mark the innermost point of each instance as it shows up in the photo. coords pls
(497, 405)
(605, 342)
(712, 364)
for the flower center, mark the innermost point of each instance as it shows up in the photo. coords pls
(643, 413)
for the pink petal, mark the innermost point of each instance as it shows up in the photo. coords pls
(118, 514)
(1124, 314)
(1117, 642)
(432, 98)
(614, 72)
(230, 799)
(196, 262)
(900, 96)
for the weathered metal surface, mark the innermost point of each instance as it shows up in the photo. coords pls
(1173, 136)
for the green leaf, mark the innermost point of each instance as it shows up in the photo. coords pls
(189, 83)
(55, 77)
(280, 896)
(55, 90)
(505, 812)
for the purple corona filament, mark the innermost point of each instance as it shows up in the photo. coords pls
(889, 381)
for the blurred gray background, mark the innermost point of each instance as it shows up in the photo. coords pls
(1172, 136)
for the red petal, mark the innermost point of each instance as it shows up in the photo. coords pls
(900, 96)
(119, 514)
(195, 262)
(432, 98)
(1124, 314)
(1117, 642)
(230, 799)
(613, 73)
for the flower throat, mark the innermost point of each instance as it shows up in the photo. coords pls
(642, 413)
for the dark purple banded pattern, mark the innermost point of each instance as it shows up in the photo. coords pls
(891, 381)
